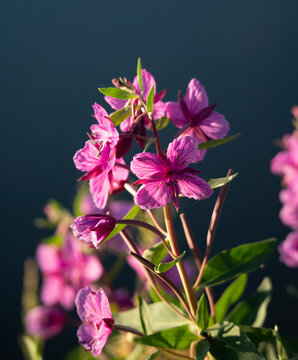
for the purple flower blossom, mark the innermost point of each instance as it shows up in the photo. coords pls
(288, 250)
(289, 211)
(94, 310)
(159, 107)
(65, 271)
(195, 118)
(165, 178)
(93, 229)
(45, 321)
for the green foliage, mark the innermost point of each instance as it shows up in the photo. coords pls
(156, 253)
(77, 203)
(281, 351)
(219, 182)
(54, 239)
(239, 260)
(117, 93)
(232, 294)
(202, 316)
(230, 343)
(119, 227)
(213, 143)
(31, 347)
(139, 72)
(162, 318)
(144, 316)
(150, 100)
(258, 334)
(162, 267)
(78, 353)
(153, 356)
(162, 123)
(253, 310)
(120, 115)
(202, 348)
(177, 338)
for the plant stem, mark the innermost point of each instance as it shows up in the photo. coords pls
(128, 329)
(198, 259)
(212, 226)
(150, 212)
(174, 245)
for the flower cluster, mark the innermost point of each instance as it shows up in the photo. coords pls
(285, 164)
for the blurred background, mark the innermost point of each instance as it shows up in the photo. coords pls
(55, 54)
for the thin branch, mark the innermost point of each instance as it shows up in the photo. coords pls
(128, 329)
(150, 212)
(213, 225)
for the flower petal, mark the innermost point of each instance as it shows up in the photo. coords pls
(100, 339)
(48, 258)
(193, 186)
(86, 159)
(148, 82)
(153, 195)
(196, 97)
(99, 189)
(181, 152)
(215, 126)
(147, 166)
(86, 333)
(159, 110)
(115, 104)
(52, 288)
(103, 304)
(175, 114)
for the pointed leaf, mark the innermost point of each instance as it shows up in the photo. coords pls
(253, 310)
(53, 240)
(117, 93)
(139, 72)
(162, 123)
(162, 267)
(120, 115)
(145, 317)
(216, 183)
(202, 349)
(202, 313)
(177, 338)
(281, 351)
(213, 143)
(119, 227)
(156, 253)
(148, 144)
(230, 343)
(258, 334)
(232, 294)
(153, 356)
(239, 260)
(150, 100)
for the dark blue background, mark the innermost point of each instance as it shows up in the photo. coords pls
(55, 54)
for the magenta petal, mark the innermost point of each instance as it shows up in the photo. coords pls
(182, 152)
(191, 131)
(153, 195)
(193, 186)
(48, 258)
(99, 190)
(119, 173)
(148, 82)
(115, 104)
(86, 159)
(175, 114)
(86, 334)
(52, 288)
(215, 126)
(147, 166)
(196, 97)
(125, 125)
(159, 110)
(100, 339)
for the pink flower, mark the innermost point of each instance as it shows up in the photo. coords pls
(45, 322)
(165, 178)
(65, 271)
(94, 310)
(289, 211)
(288, 250)
(158, 108)
(93, 229)
(195, 118)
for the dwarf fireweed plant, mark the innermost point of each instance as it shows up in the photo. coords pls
(170, 312)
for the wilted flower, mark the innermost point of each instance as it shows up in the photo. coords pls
(165, 178)
(45, 321)
(195, 118)
(65, 271)
(94, 310)
(93, 229)
(288, 250)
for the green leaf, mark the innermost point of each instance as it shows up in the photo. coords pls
(129, 216)
(239, 260)
(117, 93)
(150, 100)
(162, 318)
(258, 334)
(253, 310)
(216, 183)
(120, 115)
(162, 123)
(82, 192)
(177, 338)
(53, 240)
(145, 317)
(148, 144)
(156, 253)
(31, 347)
(232, 294)
(230, 343)
(202, 313)
(162, 267)
(202, 349)
(281, 351)
(78, 353)
(139, 72)
(153, 356)
(213, 143)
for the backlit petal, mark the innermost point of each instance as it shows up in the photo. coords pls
(181, 152)
(153, 195)
(147, 166)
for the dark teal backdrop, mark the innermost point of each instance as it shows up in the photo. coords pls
(55, 54)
